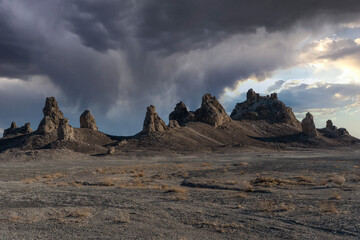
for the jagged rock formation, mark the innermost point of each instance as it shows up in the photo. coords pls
(211, 112)
(64, 130)
(181, 114)
(330, 126)
(308, 126)
(332, 131)
(153, 123)
(110, 151)
(14, 130)
(173, 124)
(267, 108)
(52, 117)
(87, 120)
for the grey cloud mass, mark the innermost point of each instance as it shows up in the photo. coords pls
(117, 57)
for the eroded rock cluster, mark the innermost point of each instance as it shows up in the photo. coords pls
(308, 126)
(54, 121)
(87, 120)
(15, 130)
(332, 131)
(52, 117)
(181, 114)
(267, 108)
(211, 112)
(153, 123)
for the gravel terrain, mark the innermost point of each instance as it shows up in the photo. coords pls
(252, 194)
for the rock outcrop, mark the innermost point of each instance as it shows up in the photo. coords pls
(173, 124)
(181, 114)
(268, 108)
(332, 131)
(111, 150)
(153, 123)
(87, 120)
(14, 130)
(308, 126)
(211, 112)
(52, 117)
(65, 132)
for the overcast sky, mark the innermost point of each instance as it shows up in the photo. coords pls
(117, 57)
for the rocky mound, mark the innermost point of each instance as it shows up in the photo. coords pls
(211, 112)
(308, 126)
(333, 132)
(153, 123)
(268, 108)
(52, 117)
(14, 130)
(87, 120)
(181, 114)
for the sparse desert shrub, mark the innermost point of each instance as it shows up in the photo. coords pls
(108, 182)
(122, 218)
(177, 190)
(328, 207)
(139, 174)
(338, 179)
(335, 195)
(245, 164)
(241, 195)
(230, 182)
(80, 213)
(204, 164)
(269, 206)
(306, 179)
(246, 186)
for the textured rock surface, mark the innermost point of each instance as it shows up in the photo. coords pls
(308, 126)
(52, 117)
(211, 112)
(267, 108)
(111, 150)
(87, 120)
(332, 131)
(65, 131)
(153, 123)
(14, 130)
(181, 114)
(173, 124)
(330, 126)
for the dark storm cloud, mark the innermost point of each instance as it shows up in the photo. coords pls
(116, 56)
(188, 24)
(15, 53)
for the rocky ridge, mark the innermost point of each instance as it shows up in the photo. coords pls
(14, 130)
(268, 108)
(262, 122)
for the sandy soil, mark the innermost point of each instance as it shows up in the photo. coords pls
(59, 194)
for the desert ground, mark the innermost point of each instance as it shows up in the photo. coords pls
(242, 194)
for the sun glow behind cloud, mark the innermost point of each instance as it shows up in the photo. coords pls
(321, 65)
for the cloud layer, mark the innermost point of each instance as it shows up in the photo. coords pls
(117, 57)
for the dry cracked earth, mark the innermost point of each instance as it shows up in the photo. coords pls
(254, 194)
